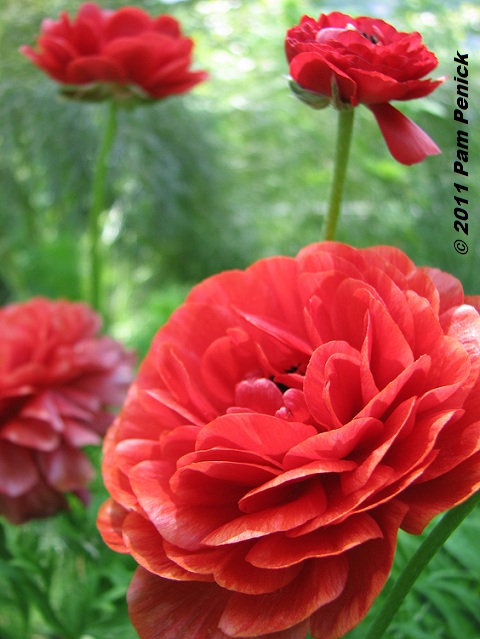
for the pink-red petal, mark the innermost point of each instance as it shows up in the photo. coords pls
(18, 470)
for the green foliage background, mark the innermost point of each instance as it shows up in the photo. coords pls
(234, 171)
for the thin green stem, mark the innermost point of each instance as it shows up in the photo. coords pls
(98, 206)
(342, 150)
(424, 553)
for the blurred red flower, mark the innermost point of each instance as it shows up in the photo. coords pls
(287, 420)
(363, 60)
(125, 54)
(58, 383)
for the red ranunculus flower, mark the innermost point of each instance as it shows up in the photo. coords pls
(286, 421)
(58, 381)
(364, 61)
(126, 55)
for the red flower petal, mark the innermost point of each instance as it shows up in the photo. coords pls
(282, 488)
(421, 88)
(369, 570)
(278, 551)
(94, 69)
(38, 502)
(376, 88)
(175, 83)
(34, 420)
(449, 288)
(144, 543)
(463, 323)
(78, 436)
(18, 472)
(254, 432)
(452, 488)
(258, 395)
(473, 300)
(406, 141)
(211, 483)
(182, 525)
(167, 609)
(335, 444)
(127, 22)
(86, 34)
(66, 468)
(142, 58)
(231, 570)
(167, 25)
(54, 49)
(308, 500)
(316, 74)
(321, 581)
(109, 523)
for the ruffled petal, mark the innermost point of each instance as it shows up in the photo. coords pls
(320, 582)
(316, 74)
(66, 468)
(165, 609)
(370, 566)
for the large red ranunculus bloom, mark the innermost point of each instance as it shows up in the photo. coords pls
(125, 54)
(58, 384)
(287, 420)
(364, 61)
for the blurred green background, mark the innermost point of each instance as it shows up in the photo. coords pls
(236, 170)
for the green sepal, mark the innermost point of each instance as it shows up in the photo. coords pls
(319, 101)
(337, 101)
(310, 98)
(127, 96)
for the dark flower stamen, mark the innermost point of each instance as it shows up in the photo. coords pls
(373, 38)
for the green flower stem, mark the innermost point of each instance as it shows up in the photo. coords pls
(98, 206)
(424, 553)
(342, 150)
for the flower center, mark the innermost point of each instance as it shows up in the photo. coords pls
(375, 37)
(281, 395)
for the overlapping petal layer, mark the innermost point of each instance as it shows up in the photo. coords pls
(287, 420)
(58, 383)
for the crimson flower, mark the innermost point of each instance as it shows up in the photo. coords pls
(58, 381)
(287, 420)
(353, 61)
(125, 54)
